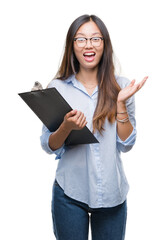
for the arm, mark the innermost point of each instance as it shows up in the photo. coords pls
(127, 144)
(124, 129)
(74, 120)
(53, 142)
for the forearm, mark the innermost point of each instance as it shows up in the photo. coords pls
(57, 139)
(123, 129)
(73, 120)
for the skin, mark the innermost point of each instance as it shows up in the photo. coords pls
(125, 129)
(88, 30)
(87, 75)
(88, 70)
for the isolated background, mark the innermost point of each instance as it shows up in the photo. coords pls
(31, 45)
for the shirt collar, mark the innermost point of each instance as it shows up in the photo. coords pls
(72, 79)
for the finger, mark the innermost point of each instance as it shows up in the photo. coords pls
(78, 114)
(141, 84)
(83, 121)
(132, 83)
(80, 118)
(146, 77)
(71, 113)
(144, 80)
(84, 124)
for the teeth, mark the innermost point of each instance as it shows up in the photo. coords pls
(89, 54)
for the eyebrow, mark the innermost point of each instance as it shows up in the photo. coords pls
(84, 34)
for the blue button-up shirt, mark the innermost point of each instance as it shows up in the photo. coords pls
(92, 173)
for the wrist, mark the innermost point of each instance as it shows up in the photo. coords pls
(121, 106)
(65, 128)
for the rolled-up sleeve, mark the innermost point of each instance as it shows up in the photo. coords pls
(44, 139)
(126, 145)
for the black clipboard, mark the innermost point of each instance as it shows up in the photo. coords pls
(50, 107)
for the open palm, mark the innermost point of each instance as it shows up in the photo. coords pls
(130, 90)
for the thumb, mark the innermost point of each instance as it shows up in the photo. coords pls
(71, 113)
(132, 83)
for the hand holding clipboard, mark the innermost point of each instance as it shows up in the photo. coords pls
(50, 107)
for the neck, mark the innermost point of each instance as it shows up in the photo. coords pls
(88, 76)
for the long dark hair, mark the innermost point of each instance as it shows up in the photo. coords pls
(107, 85)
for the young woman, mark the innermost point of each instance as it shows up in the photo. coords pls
(90, 183)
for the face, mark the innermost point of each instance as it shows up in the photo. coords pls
(88, 56)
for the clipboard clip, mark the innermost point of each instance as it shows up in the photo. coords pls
(37, 86)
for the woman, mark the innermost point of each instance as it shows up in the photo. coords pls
(89, 178)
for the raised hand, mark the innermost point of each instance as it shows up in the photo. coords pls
(130, 90)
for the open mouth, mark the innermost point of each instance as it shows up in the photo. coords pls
(89, 56)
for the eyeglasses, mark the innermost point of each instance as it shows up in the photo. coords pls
(82, 41)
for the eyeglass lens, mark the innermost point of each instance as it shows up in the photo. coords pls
(96, 41)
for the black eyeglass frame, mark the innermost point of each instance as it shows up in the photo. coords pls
(75, 39)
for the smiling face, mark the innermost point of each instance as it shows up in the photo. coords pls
(88, 56)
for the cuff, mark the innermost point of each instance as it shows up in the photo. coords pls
(45, 145)
(126, 145)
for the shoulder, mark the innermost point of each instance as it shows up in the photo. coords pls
(59, 83)
(122, 81)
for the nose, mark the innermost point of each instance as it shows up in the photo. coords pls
(88, 44)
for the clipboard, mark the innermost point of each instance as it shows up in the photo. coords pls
(50, 107)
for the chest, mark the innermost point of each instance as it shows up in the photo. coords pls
(80, 100)
(90, 91)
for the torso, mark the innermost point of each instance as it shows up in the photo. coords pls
(89, 86)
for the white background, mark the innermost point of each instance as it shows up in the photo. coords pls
(32, 40)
